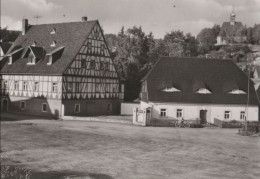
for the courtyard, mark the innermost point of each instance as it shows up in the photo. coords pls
(109, 150)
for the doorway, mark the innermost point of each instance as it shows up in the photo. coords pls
(5, 105)
(203, 116)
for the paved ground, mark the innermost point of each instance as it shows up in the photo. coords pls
(106, 150)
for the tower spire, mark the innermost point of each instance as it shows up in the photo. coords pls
(233, 16)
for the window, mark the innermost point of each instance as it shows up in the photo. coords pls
(107, 88)
(54, 87)
(107, 66)
(44, 107)
(237, 91)
(203, 91)
(179, 113)
(163, 113)
(242, 115)
(5, 85)
(53, 43)
(83, 61)
(69, 87)
(16, 85)
(36, 86)
(34, 43)
(101, 65)
(10, 59)
(227, 115)
(53, 31)
(25, 85)
(102, 48)
(22, 105)
(49, 59)
(97, 88)
(89, 45)
(77, 108)
(92, 64)
(77, 87)
(109, 107)
(31, 58)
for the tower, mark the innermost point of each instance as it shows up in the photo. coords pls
(232, 17)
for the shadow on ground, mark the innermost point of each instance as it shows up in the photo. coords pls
(67, 175)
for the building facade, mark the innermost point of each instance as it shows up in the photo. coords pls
(61, 69)
(199, 89)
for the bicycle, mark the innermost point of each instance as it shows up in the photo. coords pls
(183, 123)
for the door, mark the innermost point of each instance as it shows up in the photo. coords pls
(5, 103)
(203, 116)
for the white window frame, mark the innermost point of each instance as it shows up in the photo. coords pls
(163, 112)
(227, 113)
(83, 61)
(92, 64)
(46, 107)
(32, 61)
(102, 65)
(21, 105)
(36, 84)
(25, 85)
(54, 88)
(10, 60)
(16, 85)
(77, 87)
(5, 85)
(107, 66)
(242, 115)
(76, 108)
(179, 113)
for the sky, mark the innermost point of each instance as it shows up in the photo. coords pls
(157, 16)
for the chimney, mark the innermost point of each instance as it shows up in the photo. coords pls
(84, 18)
(25, 26)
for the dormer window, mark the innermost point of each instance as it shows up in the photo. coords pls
(34, 43)
(31, 59)
(53, 44)
(49, 59)
(170, 89)
(53, 31)
(10, 60)
(203, 91)
(237, 91)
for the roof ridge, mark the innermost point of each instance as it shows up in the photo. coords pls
(65, 23)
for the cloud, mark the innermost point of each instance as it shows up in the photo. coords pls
(39, 5)
(11, 23)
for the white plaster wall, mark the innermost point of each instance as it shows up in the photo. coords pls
(127, 108)
(192, 111)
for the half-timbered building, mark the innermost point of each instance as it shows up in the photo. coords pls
(61, 69)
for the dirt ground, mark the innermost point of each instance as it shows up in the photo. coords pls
(108, 150)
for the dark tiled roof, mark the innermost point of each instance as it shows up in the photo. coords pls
(5, 46)
(69, 35)
(189, 74)
(229, 30)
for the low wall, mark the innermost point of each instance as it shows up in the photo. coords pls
(170, 122)
(127, 108)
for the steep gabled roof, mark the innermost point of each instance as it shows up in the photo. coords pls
(70, 35)
(228, 30)
(189, 74)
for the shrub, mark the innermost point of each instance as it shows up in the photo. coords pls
(12, 172)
